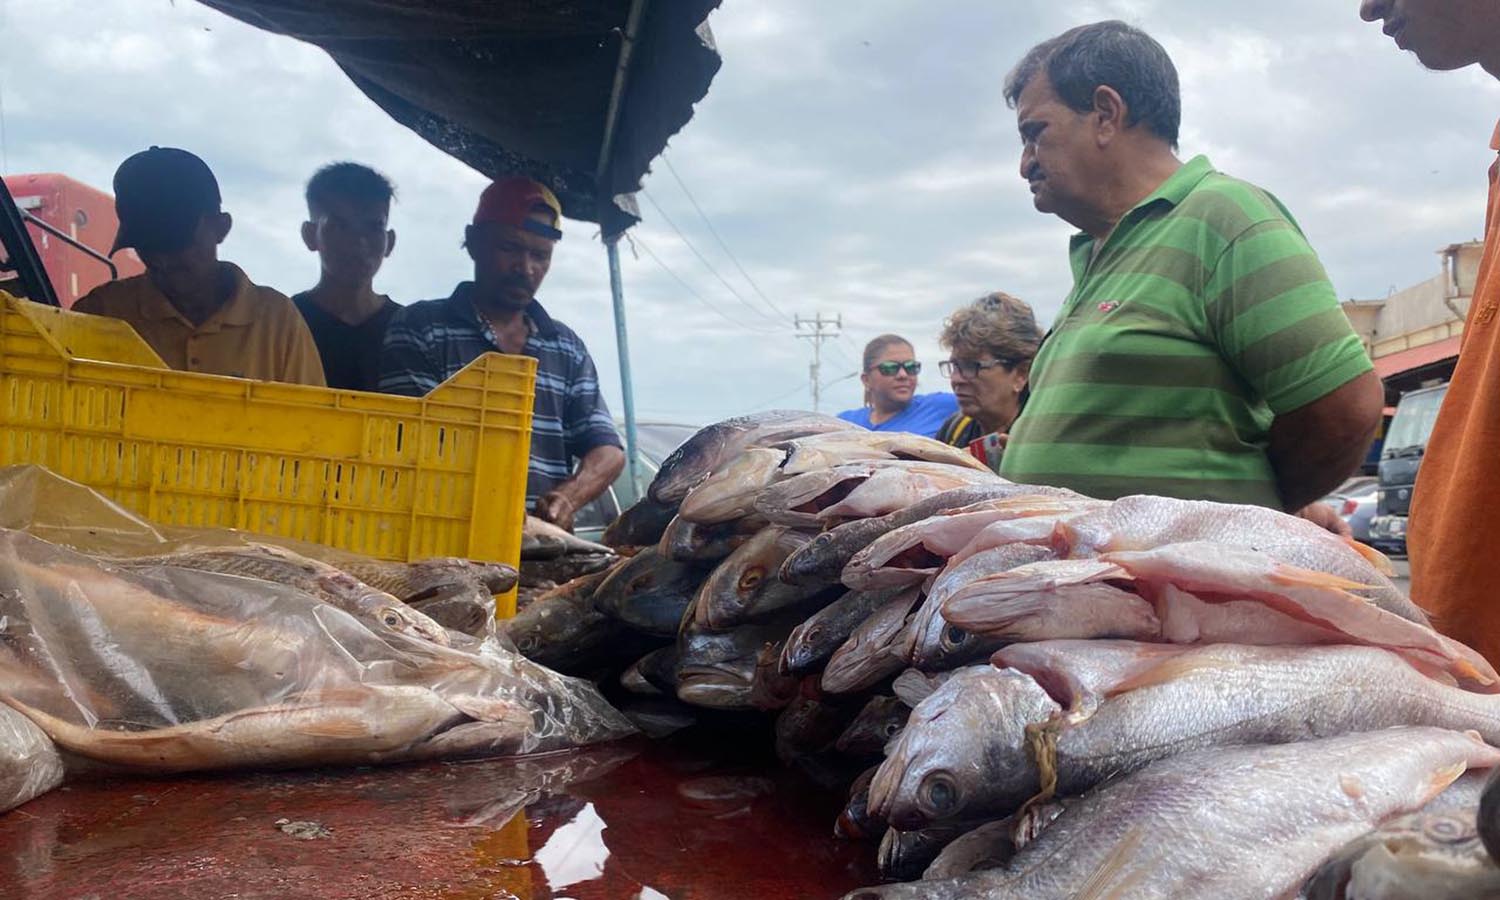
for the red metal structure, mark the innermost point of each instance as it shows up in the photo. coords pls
(83, 213)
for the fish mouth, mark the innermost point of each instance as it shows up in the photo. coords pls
(712, 687)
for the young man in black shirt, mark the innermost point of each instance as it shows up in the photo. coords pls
(348, 211)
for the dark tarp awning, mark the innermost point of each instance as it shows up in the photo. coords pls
(520, 87)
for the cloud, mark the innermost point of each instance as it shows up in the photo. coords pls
(861, 165)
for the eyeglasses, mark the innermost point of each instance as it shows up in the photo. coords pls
(972, 369)
(889, 369)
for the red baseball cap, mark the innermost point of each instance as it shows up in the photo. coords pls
(511, 201)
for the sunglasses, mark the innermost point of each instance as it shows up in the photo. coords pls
(971, 369)
(889, 369)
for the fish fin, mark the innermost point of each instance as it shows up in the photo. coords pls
(1296, 576)
(912, 687)
(1440, 779)
(1171, 669)
(1104, 882)
(1379, 560)
(1465, 669)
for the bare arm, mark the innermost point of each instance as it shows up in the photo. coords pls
(1317, 446)
(596, 471)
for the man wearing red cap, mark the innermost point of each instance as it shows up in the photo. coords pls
(511, 241)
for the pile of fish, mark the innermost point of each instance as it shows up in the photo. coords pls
(254, 656)
(1033, 693)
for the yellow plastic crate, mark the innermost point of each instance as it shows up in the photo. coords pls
(390, 477)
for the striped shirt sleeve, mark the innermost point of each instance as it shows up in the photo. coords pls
(1275, 318)
(408, 365)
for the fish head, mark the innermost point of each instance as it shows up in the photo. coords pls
(814, 560)
(963, 750)
(402, 619)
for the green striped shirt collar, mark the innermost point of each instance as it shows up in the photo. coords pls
(1171, 192)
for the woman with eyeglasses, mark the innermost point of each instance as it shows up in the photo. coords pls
(891, 399)
(991, 343)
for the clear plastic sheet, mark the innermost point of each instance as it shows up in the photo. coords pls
(162, 668)
(29, 764)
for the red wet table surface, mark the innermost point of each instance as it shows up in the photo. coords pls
(632, 820)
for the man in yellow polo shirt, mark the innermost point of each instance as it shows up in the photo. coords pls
(197, 313)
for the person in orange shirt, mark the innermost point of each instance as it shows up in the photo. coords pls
(1455, 513)
(199, 314)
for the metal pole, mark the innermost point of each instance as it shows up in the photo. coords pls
(622, 347)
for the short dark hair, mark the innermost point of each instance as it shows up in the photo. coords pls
(1112, 53)
(350, 181)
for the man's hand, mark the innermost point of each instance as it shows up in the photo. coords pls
(1322, 515)
(555, 507)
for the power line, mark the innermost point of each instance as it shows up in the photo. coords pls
(820, 329)
(636, 240)
(706, 264)
(801, 388)
(715, 232)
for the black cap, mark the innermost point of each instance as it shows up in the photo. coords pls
(160, 196)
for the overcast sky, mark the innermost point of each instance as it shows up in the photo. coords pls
(856, 164)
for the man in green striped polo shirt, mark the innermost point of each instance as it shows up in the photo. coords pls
(1202, 352)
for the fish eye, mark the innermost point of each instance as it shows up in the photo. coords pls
(938, 794)
(890, 729)
(752, 578)
(390, 618)
(953, 636)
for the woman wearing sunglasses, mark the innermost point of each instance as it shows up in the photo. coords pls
(991, 343)
(891, 399)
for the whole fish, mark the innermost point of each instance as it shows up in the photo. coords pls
(875, 650)
(905, 855)
(730, 492)
(822, 451)
(810, 724)
(815, 640)
(855, 823)
(964, 753)
(879, 721)
(1164, 704)
(717, 668)
(935, 644)
(333, 586)
(860, 490)
(1141, 523)
(686, 541)
(640, 526)
(541, 540)
(823, 559)
(1200, 824)
(744, 586)
(648, 593)
(770, 689)
(1186, 582)
(717, 444)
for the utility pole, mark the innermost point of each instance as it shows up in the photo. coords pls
(820, 328)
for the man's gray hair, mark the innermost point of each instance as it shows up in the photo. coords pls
(1079, 61)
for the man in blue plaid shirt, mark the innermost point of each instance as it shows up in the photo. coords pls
(511, 241)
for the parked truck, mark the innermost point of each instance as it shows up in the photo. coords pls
(72, 226)
(1400, 457)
